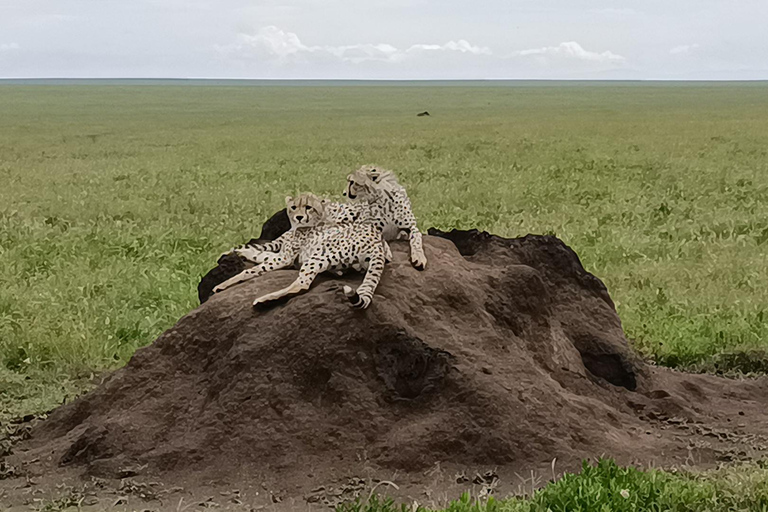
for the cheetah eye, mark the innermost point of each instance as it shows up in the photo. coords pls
(374, 178)
(308, 207)
(293, 207)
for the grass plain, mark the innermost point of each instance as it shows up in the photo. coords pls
(115, 200)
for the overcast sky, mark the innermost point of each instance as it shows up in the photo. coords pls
(399, 39)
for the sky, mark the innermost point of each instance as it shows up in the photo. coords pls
(385, 39)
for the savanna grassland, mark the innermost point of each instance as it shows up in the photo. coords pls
(116, 199)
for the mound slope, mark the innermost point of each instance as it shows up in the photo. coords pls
(502, 353)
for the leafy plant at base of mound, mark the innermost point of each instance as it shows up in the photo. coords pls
(608, 487)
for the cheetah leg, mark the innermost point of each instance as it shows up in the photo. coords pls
(309, 271)
(273, 262)
(407, 224)
(247, 253)
(387, 252)
(255, 253)
(362, 297)
(243, 276)
(418, 258)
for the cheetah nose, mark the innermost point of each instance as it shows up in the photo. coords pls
(299, 217)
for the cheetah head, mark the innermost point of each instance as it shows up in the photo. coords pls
(367, 180)
(304, 210)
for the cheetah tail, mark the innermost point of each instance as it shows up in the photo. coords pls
(353, 297)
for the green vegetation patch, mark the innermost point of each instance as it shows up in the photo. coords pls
(607, 487)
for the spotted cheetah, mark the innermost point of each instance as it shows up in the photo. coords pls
(320, 246)
(334, 213)
(387, 205)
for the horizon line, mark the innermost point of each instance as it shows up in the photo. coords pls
(404, 79)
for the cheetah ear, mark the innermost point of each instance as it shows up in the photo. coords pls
(288, 200)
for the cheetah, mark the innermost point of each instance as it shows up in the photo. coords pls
(320, 246)
(386, 201)
(334, 213)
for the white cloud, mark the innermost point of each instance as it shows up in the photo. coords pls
(571, 50)
(363, 52)
(280, 53)
(615, 11)
(683, 49)
(276, 44)
(274, 41)
(6, 47)
(461, 45)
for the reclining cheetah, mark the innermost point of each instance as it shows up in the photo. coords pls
(258, 253)
(388, 206)
(334, 213)
(320, 246)
(376, 197)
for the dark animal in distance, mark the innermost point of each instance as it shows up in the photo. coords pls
(422, 114)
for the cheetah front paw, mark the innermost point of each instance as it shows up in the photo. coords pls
(261, 302)
(265, 303)
(219, 289)
(419, 261)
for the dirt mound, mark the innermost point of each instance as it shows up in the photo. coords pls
(502, 353)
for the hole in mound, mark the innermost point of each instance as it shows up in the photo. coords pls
(467, 242)
(606, 359)
(611, 368)
(408, 367)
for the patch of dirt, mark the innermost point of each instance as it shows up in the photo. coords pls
(503, 357)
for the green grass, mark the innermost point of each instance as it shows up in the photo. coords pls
(606, 487)
(115, 200)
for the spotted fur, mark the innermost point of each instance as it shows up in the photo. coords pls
(385, 203)
(334, 214)
(320, 245)
(306, 215)
(303, 213)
